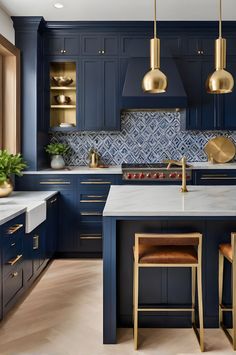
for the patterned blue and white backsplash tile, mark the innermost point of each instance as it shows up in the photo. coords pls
(145, 137)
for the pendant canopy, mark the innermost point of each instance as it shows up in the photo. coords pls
(220, 81)
(154, 81)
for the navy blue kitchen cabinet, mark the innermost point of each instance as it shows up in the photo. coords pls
(215, 177)
(65, 185)
(99, 87)
(62, 45)
(52, 227)
(12, 253)
(100, 44)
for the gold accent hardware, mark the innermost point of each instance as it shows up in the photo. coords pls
(14, 274)
(91, 213)
(61, 51)
(14, 261)
(53, 201)
(14, 228)
(99, 52)
(103, 52)
(35, 242)
(219, 178)
(95, 182)
(91, 236)
(196, 269)
(92, 201)
(220, 81)
(95, 196)
(184, 186)
(13, 244)
(94, 158)
(6, 188)
(54, 182)
(220, 150)
(154, 81)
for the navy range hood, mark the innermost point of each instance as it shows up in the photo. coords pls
(133, 96)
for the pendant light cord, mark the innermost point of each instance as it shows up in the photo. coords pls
(220, 21)
(155, 18)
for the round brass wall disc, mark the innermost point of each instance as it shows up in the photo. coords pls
(220, 149)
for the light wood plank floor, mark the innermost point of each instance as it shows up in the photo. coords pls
(63, 316)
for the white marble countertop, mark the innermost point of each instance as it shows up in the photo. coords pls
(31, 202)
(169, 201)
(116, 169)
(9, 212)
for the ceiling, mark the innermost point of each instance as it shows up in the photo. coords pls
(120, 9)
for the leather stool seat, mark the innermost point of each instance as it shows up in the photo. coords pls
(226, 250)
(170, 254)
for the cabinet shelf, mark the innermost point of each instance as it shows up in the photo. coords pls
(63, 106)
(68, 88)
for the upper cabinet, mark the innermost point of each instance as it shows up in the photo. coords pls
(100, 44)
(62, 45)
(198, 46)
(135, 46)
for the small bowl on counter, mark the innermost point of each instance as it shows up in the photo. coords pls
(62, 80)
(62, 99)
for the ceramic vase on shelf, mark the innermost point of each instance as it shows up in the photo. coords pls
(6, 188)
(57, 162)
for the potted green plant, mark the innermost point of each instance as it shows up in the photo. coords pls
(56, 151)
(10, 164)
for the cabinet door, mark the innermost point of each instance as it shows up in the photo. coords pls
(91, 45)
(71, 46)
(111, 109)
(67, 221)
(199, 46)
(54, 45)
(110, 45)
(170, 46)
(135, 46)
(91, 91)
(52, 227)
(28, 257)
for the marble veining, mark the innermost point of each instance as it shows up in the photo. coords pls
(169, 201)
(145, 137)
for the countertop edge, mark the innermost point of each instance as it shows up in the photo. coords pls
(17, 212)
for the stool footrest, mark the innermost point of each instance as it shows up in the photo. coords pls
(165, 308)
(227, 333)
(225, 308)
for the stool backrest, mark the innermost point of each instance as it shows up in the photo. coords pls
(168, 239)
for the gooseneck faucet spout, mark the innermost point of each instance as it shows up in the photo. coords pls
(184, 185)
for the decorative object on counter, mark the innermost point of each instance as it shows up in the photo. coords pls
(220, 150)
(62, 80)
(155, 81)
(56, 151)
(66, 125)
(221, 81)
(94, 158)
(62, 99)
(10, 164)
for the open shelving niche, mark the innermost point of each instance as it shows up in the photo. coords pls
(63, 113)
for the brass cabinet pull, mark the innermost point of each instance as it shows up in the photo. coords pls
(92, 201)
(95, 196)
(54, 182)
(96, 182)
(91, 213)
(14, 229)
(53, 201)
(218, 178)
(214, 175)
(14, 274)
(13, 244)
(35, 242)
(91, 236)
(14, 261)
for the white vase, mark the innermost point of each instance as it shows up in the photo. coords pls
(57, 162)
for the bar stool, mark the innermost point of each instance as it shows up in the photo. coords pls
(169, 250)
(228, 251)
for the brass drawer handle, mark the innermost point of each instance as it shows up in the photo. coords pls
(91, 213)
(14, 228)
(14, 274)
(35, 242)
(218, 178)
(92, 201)
(91, 236)
(53, 201)
(14, 261)
(95, 196)
(13, 244)
(214, 175)
(96, 182)
(54, 182)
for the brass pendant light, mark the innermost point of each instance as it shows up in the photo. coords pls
(220, 81)
(154, 81)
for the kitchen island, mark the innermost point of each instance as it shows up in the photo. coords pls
(210, 210)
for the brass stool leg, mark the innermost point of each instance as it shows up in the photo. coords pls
(136, 282)
(220, 278)
(193, 292)
(200, 305)
(234, 303)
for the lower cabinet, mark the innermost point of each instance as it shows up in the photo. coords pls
(215, 177)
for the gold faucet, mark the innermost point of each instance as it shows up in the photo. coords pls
(183, 164)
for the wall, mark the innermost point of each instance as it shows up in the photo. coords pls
(145, 137)
(6, 27)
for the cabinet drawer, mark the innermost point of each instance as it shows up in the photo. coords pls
(45, 182)
(15, 248)
(216, 177)
(12, 284)
(13, 229)
(10, 264)
(93, 197)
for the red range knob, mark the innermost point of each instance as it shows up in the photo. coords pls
(129, 176)
(172, 175)
(148, 175)
(136, 176)
(156, 176)
(162, 176)
(141, 175)
(180, 176)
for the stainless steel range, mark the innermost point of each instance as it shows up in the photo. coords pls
(160, 172)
